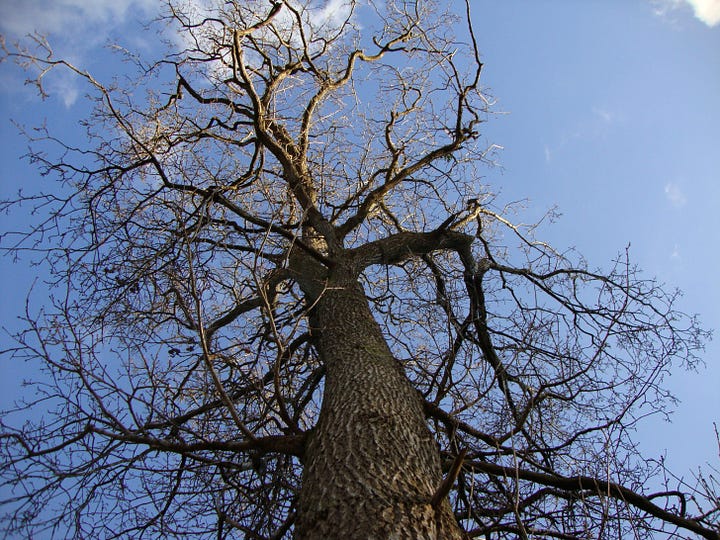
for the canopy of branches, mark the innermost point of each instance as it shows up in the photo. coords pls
(179, 370)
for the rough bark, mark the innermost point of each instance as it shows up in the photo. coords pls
(371, 464)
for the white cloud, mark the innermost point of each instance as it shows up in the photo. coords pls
(675, 195)
(77, 28)
(606, 116)
(65, 85)
(75, 20)
(322, 18)
(334, 12)
(675, 255)
(74, 29)
(707, 11)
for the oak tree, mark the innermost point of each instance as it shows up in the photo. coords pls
(285, 303)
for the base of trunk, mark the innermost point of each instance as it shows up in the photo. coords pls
(372, 465)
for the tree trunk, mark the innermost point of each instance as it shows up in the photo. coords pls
(371, 464)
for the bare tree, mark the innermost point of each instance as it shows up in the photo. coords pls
(284, 304)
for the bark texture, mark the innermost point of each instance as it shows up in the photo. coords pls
(371, 464)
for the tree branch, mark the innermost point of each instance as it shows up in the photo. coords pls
(600, 488)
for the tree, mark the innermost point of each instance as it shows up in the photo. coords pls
(285, 304)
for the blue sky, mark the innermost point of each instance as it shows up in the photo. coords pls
(613, 115)
(608, 109)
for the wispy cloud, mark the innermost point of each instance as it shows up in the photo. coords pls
(595, 124)
(321, 19)
(75, 20)
(74, 28)
(335, 12)
(675, 255)
(66, 86)
(604, 115)
(674, 194)
(77, 28)
(707, 11)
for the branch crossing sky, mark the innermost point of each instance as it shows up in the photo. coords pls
(609, 110)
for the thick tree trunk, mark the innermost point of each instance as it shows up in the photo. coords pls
(371, 465)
